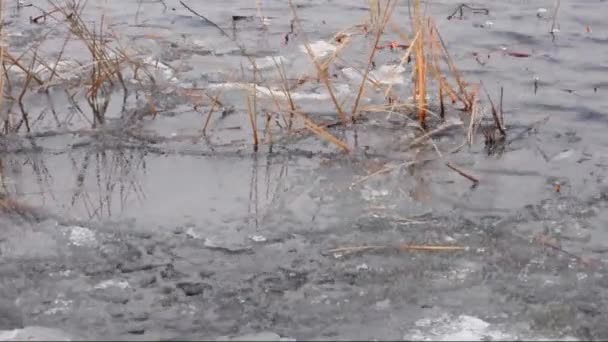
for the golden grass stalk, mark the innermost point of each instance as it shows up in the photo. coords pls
(420, 67)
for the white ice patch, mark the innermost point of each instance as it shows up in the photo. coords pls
(385, 74)
(339, 90)
(64, 69)
(466, 328)
(370, 194)
(60, 306)
(269, 62)
(34, 333)
(165, 71)
(564, 155)
(461, 328)
(258, 238)
(121, 284)
(81, 236)
(320, 49)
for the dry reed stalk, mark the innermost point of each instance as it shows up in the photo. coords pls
(495, 114)
(16, 62)
(389, 168)
(400, 247)
(2, 49)
(215, 102)
(61, 52)
(435, 67)
(474, 118)
(252, 121)
(420, 67)
(321, 74)
(106, 69)
(388, 10)
(404, 59)
(24, 113)
(433, 132)
(285, 85)
(268, 129)
(374, 12)
(462, 94)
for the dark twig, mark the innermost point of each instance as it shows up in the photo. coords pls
(502, 116)
(497, 121)
(206, 19)
(460, 11)
(463, 173)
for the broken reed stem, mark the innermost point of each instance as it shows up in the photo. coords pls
(214, 105)
(321, 132)
(380, 29)
(430, 134)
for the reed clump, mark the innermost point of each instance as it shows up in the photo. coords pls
(273, 109)
(433, 72)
